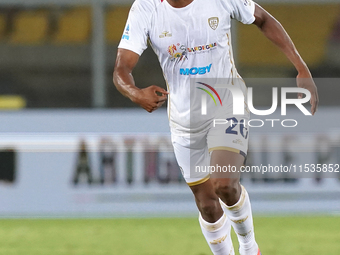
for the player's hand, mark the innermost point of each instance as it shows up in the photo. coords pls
(151, 98)
(305, 81)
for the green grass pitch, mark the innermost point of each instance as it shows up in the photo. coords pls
(163, 236)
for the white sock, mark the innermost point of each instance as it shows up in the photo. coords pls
(242, 221)
(218, 235)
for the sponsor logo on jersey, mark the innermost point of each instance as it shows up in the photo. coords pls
(126, 35)
(195, 70)
(177, 52)
(165, 34)
(202, 48)
(213, 22)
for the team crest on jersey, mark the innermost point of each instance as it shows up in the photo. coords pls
(177, 52)
(165, 34)
(213, 22)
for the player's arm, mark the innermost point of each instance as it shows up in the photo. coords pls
(147, 98)
(274, 31)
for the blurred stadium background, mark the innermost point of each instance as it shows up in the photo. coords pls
(71, 146)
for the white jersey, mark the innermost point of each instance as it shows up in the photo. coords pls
(190, 42)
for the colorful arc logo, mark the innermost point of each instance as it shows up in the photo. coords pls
(209, 93)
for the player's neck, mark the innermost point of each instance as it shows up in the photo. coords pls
(179, 3)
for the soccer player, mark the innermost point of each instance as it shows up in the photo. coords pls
(192, 40)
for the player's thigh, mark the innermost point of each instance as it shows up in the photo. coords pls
(228, 146)
(226, 164)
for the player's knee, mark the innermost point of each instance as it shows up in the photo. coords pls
(226, 188)
(209, 208)
(207, 203)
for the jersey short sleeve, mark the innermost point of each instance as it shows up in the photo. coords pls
(242, 10)
(137, 27)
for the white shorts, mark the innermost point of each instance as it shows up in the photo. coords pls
(192, 150)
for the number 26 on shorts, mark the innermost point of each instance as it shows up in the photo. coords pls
(233, 127)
